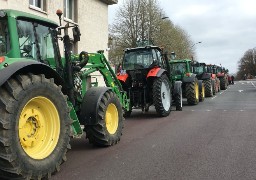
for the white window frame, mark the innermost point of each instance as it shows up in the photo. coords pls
(66, 8)
(42, 7)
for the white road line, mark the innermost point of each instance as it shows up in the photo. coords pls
(224, 110)
(241, 110)
(214, 97)
(240, 90)
(253, 84)
(208, 110)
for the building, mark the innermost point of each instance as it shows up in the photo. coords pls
(90, 15)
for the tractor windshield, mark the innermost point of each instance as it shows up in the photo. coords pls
(35, 40)
(138, 59)
(179, 68)
(199, 69)
(4, 37)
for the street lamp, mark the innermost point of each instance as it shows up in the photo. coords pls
(165, 17)
(196, 43)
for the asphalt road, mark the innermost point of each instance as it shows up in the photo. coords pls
(214, 140)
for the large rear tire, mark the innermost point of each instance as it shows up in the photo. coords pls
(208, 88)
(108, 129)
(34, 127)
(223, 83)
(162, 96)
(201, 91)
(192, 93)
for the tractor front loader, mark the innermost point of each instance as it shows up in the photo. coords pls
(45, 99)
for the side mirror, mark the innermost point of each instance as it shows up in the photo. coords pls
(76, 33)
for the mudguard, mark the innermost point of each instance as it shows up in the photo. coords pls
(206, 76)
(33, 67)
(177, 89)
(122, 77)
(189, 79)
(155, 72)
(90, 105)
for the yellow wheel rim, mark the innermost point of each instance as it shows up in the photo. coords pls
(111, 118)
(197, 90)
(39, 127)
(203, 91)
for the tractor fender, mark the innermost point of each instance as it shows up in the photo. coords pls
(192, 78)
(90, 105)
(122, 77)
(177, 89)
(155, 72)
(206, 76)
(33, 67)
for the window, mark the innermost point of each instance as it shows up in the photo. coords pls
(69, 6)
(4, 38)
(41, 4)
(35, 40)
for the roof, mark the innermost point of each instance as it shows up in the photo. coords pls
(110, 2)
(145, 47)
(17, 14)
(180, 60)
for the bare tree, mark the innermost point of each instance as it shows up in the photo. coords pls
(247, 64)
(138, 20)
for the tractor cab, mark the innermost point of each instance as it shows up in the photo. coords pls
(139, 63)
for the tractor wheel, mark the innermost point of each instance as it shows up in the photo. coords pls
(178, 101)
(192, 92)
(214, 87)
(34, 127)
(202, 92)
(162, 96)
(127, 113)
(208, 88)
(223, 84)
(108, 129)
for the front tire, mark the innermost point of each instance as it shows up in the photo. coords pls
(108, 129)
(162, 96)
(34, 127)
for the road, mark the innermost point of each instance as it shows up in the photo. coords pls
(214, 140)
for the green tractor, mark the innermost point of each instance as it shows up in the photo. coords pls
(205, 72)
(46, 99)
(192, 88)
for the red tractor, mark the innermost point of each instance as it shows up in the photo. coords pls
(146, 78)
(211, 69)
(222, 74)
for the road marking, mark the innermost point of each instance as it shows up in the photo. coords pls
(214, 97)
(241, 110)
(253, 84)
(192, 110)
(208, 110)
(240, 90)
(224, 110)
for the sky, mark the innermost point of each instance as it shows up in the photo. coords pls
(226, 28)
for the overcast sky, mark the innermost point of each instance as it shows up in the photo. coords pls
(227, 28)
